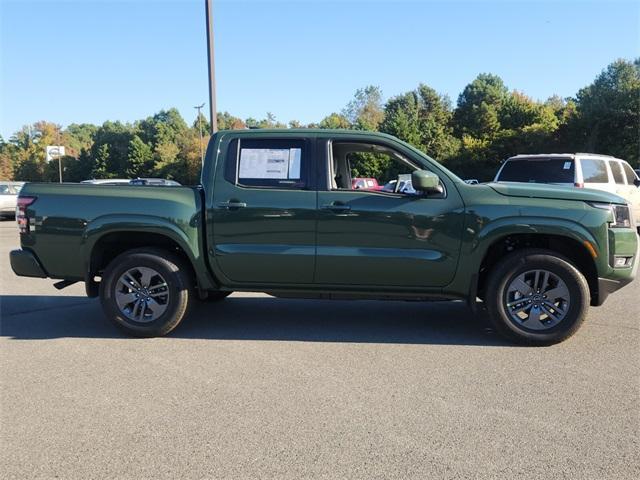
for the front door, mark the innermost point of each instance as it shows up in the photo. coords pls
(384, 236)
(263, 216)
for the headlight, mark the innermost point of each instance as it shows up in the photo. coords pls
(621, 214)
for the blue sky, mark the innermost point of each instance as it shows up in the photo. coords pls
(88, 61)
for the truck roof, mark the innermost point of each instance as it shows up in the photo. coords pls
(311, 132)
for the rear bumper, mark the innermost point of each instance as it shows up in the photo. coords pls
(25, 264)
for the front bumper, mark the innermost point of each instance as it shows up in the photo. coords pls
(25, 264)
(607, 286)
(621, 242)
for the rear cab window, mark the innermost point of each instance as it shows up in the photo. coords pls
(538, 170)
(268, 163)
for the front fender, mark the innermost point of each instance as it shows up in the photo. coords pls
(186, 236)
(480, 237)
(528, 225)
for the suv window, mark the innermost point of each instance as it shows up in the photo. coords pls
(630, 173)
(267, 163)
(538, 170)
(594, 171)
(8, 190)
(616, 170)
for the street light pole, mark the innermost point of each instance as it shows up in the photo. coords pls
(208, 5)
(59, 156)
(199, 107)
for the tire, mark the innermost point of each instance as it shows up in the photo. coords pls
(213, 296)
(168, 292)
(547, 321)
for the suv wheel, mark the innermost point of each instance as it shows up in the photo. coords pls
(537, 297)
(145, 292)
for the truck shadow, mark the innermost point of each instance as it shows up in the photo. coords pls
(261, 318)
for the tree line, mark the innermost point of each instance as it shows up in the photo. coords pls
(488, 123)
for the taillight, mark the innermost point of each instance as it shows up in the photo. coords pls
(21, 213)
(578, 185)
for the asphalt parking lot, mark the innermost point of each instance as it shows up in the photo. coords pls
(257, 387)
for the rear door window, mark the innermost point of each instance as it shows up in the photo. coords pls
(616, 170)
(631, 176)
(268, 164)
(538, 170)
(594, 171)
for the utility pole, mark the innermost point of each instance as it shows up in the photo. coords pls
(208, 5)
(199, 107)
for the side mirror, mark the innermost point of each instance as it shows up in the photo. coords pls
(426, 182)
(636, 182)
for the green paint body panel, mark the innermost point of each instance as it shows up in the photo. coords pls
(289, 240)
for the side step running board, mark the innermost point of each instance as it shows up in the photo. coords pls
(64, 284)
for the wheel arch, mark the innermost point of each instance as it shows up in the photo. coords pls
(569, 247)
(105, 239)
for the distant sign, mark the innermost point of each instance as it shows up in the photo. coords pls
(54, 152)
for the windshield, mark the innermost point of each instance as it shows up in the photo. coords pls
(538, 170)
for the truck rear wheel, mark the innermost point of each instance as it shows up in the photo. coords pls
(146, 292)
(536, 297)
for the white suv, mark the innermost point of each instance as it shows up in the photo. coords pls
(581, 170)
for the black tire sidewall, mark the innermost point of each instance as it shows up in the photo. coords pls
(177, 282)
(516, 264)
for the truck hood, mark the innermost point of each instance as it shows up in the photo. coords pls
(554, 192)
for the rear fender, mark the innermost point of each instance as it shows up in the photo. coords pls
(189, 242)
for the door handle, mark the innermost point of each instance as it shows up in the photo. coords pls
(337, 207)
(232, 205)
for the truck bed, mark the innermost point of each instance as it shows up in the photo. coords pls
(67, 220)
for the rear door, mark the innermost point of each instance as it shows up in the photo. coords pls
(262, 217)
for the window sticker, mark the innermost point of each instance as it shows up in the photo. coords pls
(273, 163)
(567, 166)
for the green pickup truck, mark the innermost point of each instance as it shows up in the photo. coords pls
(276, 212)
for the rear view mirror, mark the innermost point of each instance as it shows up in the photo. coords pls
(427, 182)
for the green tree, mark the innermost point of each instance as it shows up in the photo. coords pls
(365, 111)
(608, 112)
(79, 169)
(422, 118)
(335, 121)
(116, 136)
(226, 121)
(78, 136)
(479, 105)
(140, 158)
(163, 127)
(99, 168)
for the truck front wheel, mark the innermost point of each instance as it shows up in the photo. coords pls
(537, 297)
(146, 292)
